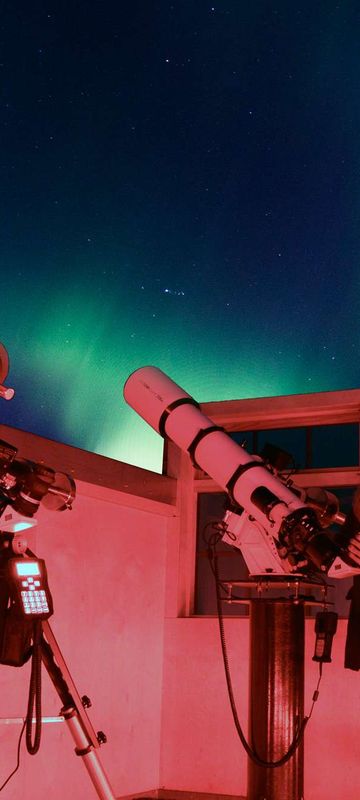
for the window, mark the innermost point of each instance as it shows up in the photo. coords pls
(315, 447)
(231, 563)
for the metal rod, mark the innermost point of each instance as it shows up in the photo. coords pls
(88, 755)
(21, 720)
(62, 679)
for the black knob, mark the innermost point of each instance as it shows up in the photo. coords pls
(86, 701)
(101, 737)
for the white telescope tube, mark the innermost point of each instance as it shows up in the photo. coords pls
(176, 415)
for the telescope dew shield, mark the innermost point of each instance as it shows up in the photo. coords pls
(152, 394)
(175, 414)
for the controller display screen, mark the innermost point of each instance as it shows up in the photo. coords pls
(27, 568)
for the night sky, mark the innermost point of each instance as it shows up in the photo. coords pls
(180, 186)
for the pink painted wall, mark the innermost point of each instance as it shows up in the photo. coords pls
(157, 687)
(200, 749)
(106, 566)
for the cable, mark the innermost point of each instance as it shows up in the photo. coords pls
(251, 752)
(34, 693)
(211, 542)
(18, 758)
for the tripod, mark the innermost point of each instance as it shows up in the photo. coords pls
(73, 707)
(73, 710)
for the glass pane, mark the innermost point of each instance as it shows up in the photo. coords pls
(245, 438)
(335, 445)
(231, 563)
(291, 440)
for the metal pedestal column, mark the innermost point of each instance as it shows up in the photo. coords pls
(276, 697)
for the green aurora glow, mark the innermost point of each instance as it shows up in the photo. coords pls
(179, 187)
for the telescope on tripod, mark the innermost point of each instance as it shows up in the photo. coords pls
(26, 602)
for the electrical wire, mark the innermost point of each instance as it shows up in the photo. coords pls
(251, 752)
(34, 693)
(34, 697)
(18, 758)
(211, 542)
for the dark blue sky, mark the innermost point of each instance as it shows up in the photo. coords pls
(179, 186)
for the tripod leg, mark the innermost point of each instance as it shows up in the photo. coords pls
(75, 715)
(88, 754)
(60, 675)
